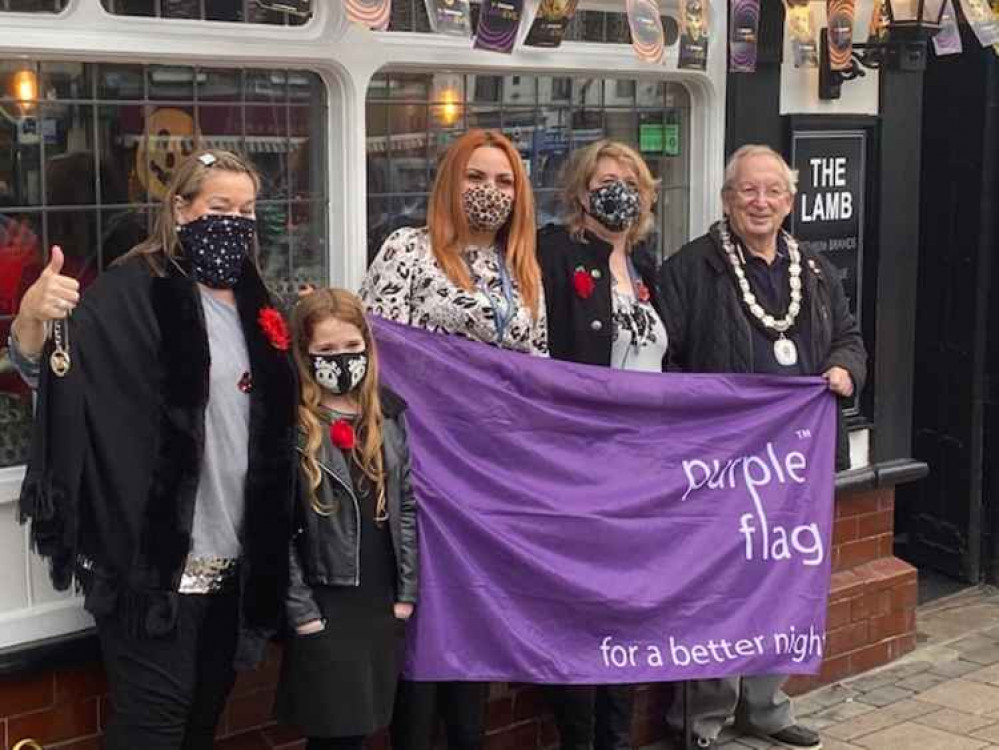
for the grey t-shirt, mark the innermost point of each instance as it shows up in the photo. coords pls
(218, 510)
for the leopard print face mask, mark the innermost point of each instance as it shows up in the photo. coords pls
(486, 207)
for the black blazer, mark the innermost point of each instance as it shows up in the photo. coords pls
(580, 330)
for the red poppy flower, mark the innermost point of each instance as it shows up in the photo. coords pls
(274, 328)
(342, 434)
(643, 292)
(583, 283)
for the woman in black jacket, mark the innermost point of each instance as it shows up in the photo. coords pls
(599, 280)
(353, 561)
(602, 310)
(162, 471)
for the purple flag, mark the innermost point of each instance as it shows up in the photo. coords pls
(584, 525)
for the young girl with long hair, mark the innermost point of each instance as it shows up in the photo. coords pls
(353, 560)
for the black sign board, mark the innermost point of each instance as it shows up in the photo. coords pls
(828, 215)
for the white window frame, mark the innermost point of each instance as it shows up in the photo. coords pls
(345, 57)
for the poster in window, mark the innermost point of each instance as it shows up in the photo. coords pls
(647, 36)
(947, 41)
(984, 21)
(499, 21)
(840, 15)
(374, 14)
(451, 17)
(693, 35)
(801, 31)
(828, 216)
(550, 23)
(744, 24)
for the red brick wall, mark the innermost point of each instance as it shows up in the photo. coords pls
(872, 599)
(871, 621)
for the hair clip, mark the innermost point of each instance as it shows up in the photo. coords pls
(207, 159)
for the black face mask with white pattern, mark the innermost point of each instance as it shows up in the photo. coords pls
(339, 373)
(616, 205)
(216, 245)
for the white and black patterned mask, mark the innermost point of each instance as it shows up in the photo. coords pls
(339, 373)
(216, 245)
(616, 205)
(486, 207)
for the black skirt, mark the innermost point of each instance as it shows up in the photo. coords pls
(341, 681)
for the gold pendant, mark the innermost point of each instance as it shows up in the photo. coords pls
(59, 362)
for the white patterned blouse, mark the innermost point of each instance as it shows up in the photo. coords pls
(405, 284)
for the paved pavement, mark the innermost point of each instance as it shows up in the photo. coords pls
(943, 696)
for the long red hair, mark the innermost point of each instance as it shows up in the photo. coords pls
(449, 232)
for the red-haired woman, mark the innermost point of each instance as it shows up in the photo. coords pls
(472, 272)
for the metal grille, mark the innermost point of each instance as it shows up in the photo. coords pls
(245, 11)
(33, 6)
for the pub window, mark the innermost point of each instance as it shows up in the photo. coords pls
(86, 151)
(246, 11)
(412, 117)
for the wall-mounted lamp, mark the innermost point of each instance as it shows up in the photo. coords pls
(25, 84)
(904, 45)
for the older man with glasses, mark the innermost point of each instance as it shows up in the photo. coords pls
(745, 298)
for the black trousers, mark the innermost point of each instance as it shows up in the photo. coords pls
(168, 693)
(462, 706)
(597, 717)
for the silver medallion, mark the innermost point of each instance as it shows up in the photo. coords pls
(785, 352)
(59, 362)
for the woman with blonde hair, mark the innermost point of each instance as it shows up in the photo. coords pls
(162, 470)
(472, 272)
(599, 280)
(354, 555)
(603, 309)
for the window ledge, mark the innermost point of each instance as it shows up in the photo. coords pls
(59, 652)
(880, 475)
(10, 483)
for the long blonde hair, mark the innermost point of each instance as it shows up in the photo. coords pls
(367, 452)
(188, 178)
(449, 232)
(576, 182)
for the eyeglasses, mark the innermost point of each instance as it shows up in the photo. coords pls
(750, 193)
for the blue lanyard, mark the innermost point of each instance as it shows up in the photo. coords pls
(503, 317)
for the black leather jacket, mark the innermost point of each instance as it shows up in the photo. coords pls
(325, 549)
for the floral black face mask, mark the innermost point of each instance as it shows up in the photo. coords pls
(216, 245)
(339, 373)
(616, 205)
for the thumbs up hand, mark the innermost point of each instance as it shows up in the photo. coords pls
(52, 296)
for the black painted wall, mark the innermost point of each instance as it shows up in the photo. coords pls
(949, 519)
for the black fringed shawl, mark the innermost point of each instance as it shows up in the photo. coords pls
(118, 448)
